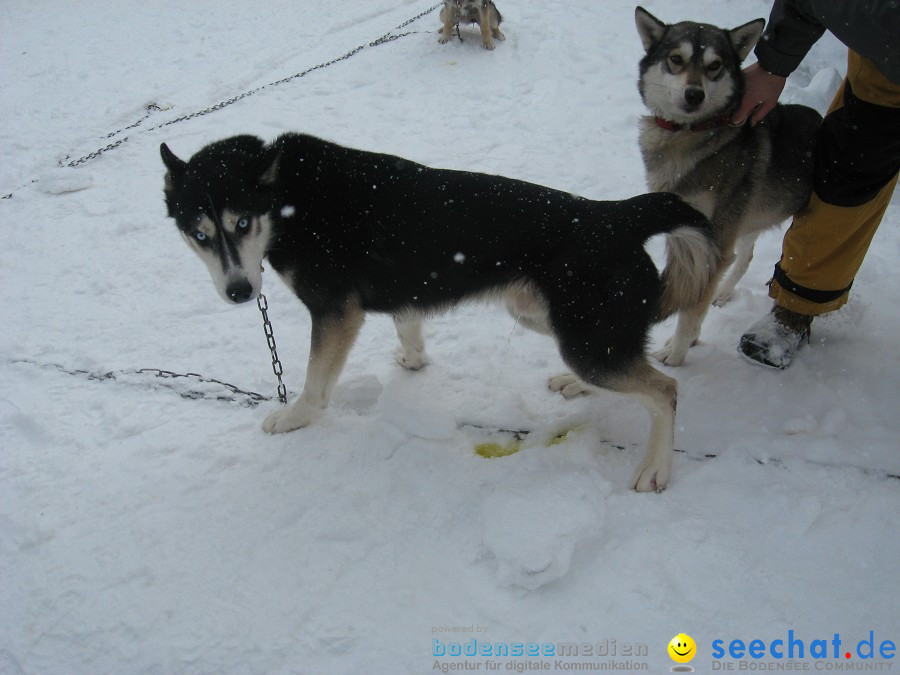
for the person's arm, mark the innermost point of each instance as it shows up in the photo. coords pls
(790, 34)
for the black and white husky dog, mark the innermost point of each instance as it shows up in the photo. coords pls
(744, 179)
(352, 232)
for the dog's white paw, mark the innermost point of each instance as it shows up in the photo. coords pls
(651, 477)
(293, 417)
(722, 300)
(410, 359)
(489, 45)
(568, 385)
(673, 352)
(443, 39)
(669, 357)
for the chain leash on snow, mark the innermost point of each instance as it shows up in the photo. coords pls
(263, 305)
(384, 39)
(243, 397)
(250, 398)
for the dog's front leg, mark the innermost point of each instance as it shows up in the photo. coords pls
(448, 18)
(332, 337)
(687, 334)
(485, 25)
(690, 319)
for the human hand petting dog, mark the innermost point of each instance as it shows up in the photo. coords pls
(761, 92)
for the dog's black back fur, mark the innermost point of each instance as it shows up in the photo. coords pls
(404, 236)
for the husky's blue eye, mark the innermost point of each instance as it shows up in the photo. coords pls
(200, 236)
(243, 223)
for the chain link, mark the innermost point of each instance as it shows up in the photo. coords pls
(151, 108)
(263, 305)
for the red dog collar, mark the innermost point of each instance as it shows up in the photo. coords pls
(714, 123)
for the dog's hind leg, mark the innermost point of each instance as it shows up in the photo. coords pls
(411, 352)
(658, 393)
(494, 19)
(332, 338)
(527, 307)
(743, 254)
(610, 355)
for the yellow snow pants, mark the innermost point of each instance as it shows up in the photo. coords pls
(857, 159)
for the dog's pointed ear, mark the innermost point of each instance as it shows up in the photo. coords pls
(649, 27)
(744, 38)
(270, 175)
(173, 164)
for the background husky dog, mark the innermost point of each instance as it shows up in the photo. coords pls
(352, 232)
(745, 179)
(482, 12)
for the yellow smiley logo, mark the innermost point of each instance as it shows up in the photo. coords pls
(682, 648)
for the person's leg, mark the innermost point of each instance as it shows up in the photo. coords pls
(858, 155)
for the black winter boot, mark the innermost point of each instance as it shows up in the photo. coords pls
(773, 340)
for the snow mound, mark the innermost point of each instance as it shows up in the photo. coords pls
(532, 524)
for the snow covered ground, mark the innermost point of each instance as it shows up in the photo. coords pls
(142, 532)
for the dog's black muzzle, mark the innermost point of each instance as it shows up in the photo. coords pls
(239, 291)
(694, 96)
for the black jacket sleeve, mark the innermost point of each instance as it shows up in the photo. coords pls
(868, 27)
(791, 32)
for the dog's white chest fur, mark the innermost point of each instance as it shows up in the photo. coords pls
(670, 160)
(668, 157)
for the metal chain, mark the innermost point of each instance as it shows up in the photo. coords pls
(263, 305)
(254, 399)
(249, 399)
(384, 39)
(151, 108)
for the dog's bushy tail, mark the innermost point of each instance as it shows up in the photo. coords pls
(692, 254)
(692, 257)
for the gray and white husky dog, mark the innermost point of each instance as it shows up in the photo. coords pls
(745, 179)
